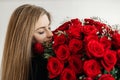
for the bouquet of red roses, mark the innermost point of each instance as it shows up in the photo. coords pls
(84, 50)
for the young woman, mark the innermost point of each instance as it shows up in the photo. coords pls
(28, 24)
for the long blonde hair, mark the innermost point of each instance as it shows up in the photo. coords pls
(17, 49)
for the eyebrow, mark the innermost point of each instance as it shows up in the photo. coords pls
(43, 27)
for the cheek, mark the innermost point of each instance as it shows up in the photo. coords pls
(39, 38)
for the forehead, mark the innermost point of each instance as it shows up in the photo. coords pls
(42, 21)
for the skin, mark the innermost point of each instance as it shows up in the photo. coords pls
(42, 30)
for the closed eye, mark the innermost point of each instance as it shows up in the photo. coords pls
(41, 32)
(49, 28)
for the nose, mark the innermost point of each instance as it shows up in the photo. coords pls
(50, 34)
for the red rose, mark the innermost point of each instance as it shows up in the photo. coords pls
(62, 52)
(91, 68)
(63, 27)
(89, 30)
(109, 60)
(59, 40)
(74, 32)
(106, 42)
(76, 22)
(38, 48)
(75, 63)
(75, 29)
(90, 37)
(95, 49)
(54, 67)
(68, 74)
(118, 57)
(106, 77)
(75, 45)
(99, 26)
(88, 21)
(116, 40)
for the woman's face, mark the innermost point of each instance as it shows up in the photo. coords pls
(42, 30)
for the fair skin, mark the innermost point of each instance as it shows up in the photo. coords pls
(42, 30)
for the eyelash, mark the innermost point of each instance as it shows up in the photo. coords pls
(40, 32)
(43, 31)
(49, 28)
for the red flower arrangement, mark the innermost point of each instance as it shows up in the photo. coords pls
(38, 48)
(84, 50)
